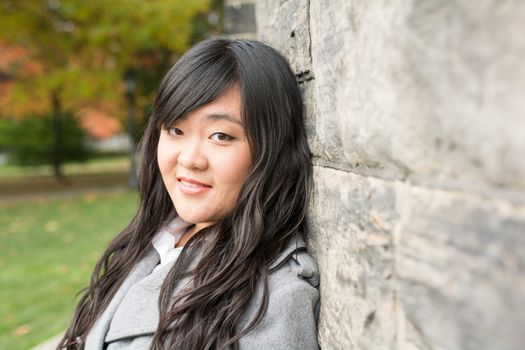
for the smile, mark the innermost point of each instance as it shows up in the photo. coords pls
(192, 187)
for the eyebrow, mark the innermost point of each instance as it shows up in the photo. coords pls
(227, 117)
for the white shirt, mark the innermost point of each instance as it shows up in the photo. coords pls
(165, 240)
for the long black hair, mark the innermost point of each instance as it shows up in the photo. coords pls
(235, 253)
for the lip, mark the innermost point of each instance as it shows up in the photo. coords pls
(192, 187)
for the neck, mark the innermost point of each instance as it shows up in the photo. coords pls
(190, 232)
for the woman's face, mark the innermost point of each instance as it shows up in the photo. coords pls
(204, 159)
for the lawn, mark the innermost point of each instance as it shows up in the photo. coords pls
(48, 247)
(97, 172)
(95, 165)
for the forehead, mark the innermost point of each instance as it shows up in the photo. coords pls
(227, 107)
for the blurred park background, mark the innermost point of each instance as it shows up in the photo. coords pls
(77, 80)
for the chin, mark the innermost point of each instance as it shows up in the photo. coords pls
(192, 218)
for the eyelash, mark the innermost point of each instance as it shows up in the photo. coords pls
(178, 132)
(173, 131)
(228, 137)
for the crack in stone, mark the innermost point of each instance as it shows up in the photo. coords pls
(309, 32)
(304, 76)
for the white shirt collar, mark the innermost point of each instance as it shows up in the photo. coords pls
(165, 240)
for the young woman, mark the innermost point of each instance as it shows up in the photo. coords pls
(214, 257)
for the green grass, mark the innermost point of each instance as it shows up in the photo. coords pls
(95, 165)
(48, 249)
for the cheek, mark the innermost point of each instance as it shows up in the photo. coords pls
(165, 157)
(236, 169)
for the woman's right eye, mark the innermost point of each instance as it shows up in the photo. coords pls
(175, 131)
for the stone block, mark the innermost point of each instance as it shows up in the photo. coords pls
(308, 94)
(285, 26)
(352, 220)
(431, 91)
(239, 17)
(460, 271)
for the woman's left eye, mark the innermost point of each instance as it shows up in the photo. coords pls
(220, 136)
(174, 131)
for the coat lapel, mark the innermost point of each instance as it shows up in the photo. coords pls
(138, 311)
(95, 338)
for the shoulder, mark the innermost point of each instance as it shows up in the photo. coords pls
(294, 262)
(296, 280)
(290, 321)
(294, 295)
(294, 270)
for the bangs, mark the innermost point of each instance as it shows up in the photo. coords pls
(199, 77)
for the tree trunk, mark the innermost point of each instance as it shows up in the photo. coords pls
(132, 125)
(58, 144)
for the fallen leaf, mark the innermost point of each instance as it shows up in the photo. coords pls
(23, 329)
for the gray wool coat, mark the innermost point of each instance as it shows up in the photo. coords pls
(131, 318)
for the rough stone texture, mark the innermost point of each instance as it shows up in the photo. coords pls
(460, 270)
(356, 259)
(239, 17)
(415, 116)
(284, 24)
(426, 90)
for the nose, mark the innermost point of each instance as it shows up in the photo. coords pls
(192, 156)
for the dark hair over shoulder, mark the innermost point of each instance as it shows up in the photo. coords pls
(271, 207)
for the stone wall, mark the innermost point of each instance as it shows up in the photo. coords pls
(416, 118)
(239, 18)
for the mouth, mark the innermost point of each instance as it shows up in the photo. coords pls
(191, 186)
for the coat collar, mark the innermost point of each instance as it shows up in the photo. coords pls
(134, 308)
(296, 244)
(302, 263)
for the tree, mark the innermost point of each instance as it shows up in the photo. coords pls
(29, 141)
(83, 48)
